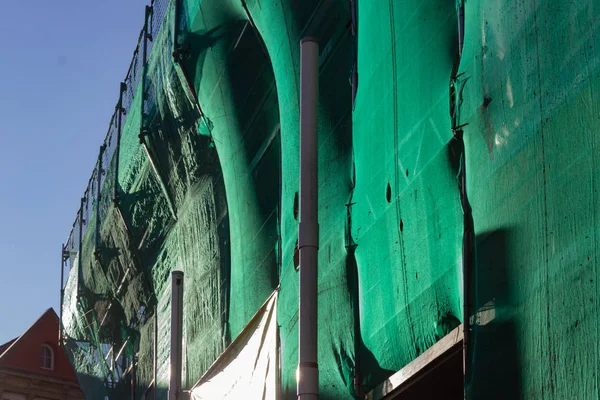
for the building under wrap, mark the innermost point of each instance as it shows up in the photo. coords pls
(458, 152)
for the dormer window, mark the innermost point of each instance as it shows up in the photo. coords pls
(47, 357)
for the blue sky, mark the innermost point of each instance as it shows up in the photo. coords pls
(60, 67)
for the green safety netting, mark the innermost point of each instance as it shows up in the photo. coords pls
(199, 172)
(161, 206)
(242, 120)
(280, 26)
(406, 216)
(531, 76)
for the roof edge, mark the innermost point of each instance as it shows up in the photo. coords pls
(16, 340)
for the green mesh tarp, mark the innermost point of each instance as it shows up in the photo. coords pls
(199, 172)
(161, 206)
(531, 83)
(240, 110)
(406, 216)
(280, 25)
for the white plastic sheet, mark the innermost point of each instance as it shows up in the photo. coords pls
(249, 368)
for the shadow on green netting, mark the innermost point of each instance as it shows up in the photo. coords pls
(197, 44)
(368, 373)
(495, 371)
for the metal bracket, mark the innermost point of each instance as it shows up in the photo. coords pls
(65, 255)
(144, 132)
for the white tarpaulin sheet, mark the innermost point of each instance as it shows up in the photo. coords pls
(249, 368)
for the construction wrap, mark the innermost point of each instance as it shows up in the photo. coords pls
(249, 367)
(431, 164)
(529, 82)
(163, 207)
(405, 207)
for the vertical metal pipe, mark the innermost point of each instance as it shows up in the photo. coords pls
(146, 36)
(122, 89)
(308, 229)
(133, 371)
(79, 244)
(99, 173)
(176, 334)
(62, 295)
(113, 358)
(155, 364)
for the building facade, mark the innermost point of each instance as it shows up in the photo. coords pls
(34, 366)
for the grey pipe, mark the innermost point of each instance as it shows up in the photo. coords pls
(120, 110)
(155, 355)
(308, 229)
(99, 173)
(79, 244)
(176, 335)
(133, 370)
(62, 295)
(147, 35)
